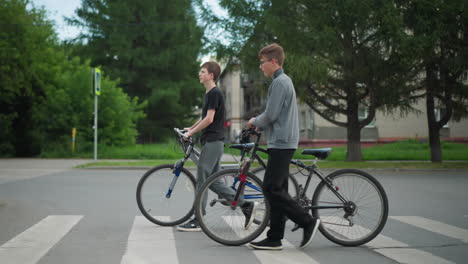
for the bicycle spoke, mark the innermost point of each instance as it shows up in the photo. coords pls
(155, 204)
(363, 215)
(227, 224)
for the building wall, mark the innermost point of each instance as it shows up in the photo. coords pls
(415, 125)
(230, 84)
(395, 125)
(313, 126)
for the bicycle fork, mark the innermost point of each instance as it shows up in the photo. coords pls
(177, 168)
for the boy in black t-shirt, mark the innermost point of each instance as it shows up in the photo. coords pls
(211, 124)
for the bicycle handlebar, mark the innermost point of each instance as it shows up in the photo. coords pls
(246, 132)
(180, 133)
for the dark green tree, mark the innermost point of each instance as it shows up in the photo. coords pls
(27, 39)
(343, 56)
(440, 32)
(152, 48)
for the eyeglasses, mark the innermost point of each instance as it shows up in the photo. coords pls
(263, 61)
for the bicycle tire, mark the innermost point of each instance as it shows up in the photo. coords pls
(367, 222)
(223, 224)
(153, 188)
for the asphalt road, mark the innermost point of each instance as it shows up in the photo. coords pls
(51, 213)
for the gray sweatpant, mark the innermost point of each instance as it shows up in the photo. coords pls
(208, 164)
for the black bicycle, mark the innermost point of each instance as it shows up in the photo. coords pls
(351, 204)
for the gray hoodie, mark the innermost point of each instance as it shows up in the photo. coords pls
(280, 118)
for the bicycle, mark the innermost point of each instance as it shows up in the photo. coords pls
(342, 200)
(155, 193)
(155, 190)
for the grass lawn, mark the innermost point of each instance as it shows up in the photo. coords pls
(323, 165)
(406, 154)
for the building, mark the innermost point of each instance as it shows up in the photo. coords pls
(245, 98)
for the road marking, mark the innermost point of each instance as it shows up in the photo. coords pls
(434, 226)
(289, 255)
(150, 243)
(393, 249)
(31, 245)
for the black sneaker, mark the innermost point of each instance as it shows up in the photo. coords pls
(267, 244)
(190, 226)
(309, 232)
(249, 209)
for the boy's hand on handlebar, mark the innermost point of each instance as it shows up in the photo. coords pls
(188, 134)
(250, 124)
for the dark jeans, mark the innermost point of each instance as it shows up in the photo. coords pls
(275, 188)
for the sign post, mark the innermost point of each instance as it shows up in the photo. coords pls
(73, 139)
(96, 88)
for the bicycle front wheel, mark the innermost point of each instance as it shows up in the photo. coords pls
(222, 222)
(162, 204)
(365, 211)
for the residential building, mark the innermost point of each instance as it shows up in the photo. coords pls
(246, 98)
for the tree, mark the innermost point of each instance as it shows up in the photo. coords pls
(44, 93)
(152, 48)
(27, 39)
(440, 31)
(343, 56)
(70, 104)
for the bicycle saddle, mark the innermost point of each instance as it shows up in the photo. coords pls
(321, 153)
(245, 146)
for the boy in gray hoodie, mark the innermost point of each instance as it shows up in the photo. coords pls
(280, 121)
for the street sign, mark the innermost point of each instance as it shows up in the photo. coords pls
(96, 81)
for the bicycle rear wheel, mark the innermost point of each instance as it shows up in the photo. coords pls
(364, 215)
(219, 220)
(161, 205)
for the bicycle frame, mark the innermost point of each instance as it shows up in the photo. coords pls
(245, 166)
(313, 169)
(193, 153)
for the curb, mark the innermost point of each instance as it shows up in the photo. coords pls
(323, 169)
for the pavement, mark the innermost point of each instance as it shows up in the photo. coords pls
(14, 168)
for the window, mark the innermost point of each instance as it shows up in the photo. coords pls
(439, 113)
(363, 113)
(311, 124)
(303, 122)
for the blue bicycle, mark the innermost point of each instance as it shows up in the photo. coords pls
(166, 193)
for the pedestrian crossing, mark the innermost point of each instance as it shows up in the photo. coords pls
(29, 246)
(144, 238)
(149, 243)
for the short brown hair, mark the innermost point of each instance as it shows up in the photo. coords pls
(273, 51)
(212, 67)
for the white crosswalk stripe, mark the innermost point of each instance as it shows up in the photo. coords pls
(394, 249)
(29, 246)
(434, 226)
(289, 255)
(149, 243)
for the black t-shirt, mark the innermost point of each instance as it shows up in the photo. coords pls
(214, 99)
